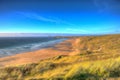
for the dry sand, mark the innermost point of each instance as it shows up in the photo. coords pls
(63, 48)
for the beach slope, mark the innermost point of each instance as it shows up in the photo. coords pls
(81, 58)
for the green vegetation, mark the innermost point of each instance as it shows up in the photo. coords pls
(96, 58)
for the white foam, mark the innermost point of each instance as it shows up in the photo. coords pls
(28, 47)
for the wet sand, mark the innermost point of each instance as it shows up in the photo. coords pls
(63, 48)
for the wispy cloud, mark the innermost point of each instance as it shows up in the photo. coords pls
(37, 17)
(53, 19)
(101, 5)
(46, 19)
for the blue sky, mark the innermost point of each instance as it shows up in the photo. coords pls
(60, 16)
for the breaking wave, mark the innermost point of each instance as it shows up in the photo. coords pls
(28, 47)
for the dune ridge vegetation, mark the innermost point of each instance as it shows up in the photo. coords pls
(93, 58)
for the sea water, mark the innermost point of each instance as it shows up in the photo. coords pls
(15, 45)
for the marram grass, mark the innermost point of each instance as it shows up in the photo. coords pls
(96, 58)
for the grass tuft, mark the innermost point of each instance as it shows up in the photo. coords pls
(96, 58)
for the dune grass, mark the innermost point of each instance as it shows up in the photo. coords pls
(95, 70)
(95, 58)
(88, 70)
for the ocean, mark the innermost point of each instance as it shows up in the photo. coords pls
(15, 45)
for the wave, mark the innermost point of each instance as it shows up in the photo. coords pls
(28, 47)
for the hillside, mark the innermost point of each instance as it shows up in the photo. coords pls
(89, 58)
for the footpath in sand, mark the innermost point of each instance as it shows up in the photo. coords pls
(63, 48)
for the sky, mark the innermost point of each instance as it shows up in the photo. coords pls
(60, 16)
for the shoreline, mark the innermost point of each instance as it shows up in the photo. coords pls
(28, 47)
(62, 48)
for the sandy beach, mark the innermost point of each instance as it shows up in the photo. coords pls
(62, 48)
